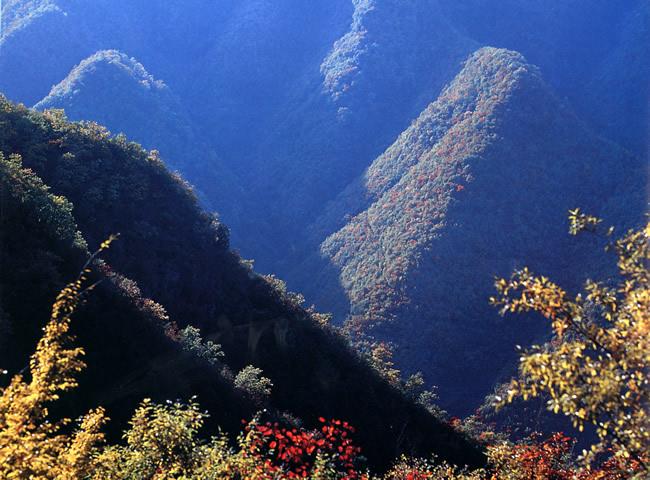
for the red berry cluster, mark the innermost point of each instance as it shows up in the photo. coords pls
(293, 452)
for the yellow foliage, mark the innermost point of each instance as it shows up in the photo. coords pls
(417, 469)
(31, 444)
(596, 368)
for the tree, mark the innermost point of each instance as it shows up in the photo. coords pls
(596, 367)
(251, 381)
(31, 444)
(161, 443)
(191, 340)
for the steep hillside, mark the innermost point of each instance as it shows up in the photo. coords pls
(478, 185)
(116, 91)
(298, 101)
(179, 256)
(392, 61)
(230, 61)
(44, 39)
(393, 52)
(254, 65)
(133, 348)
(234, 66)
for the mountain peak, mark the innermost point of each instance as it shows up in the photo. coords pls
(117, 91)
(103, 67)
(436, 216)
(379, 43)
(489, 77)
(491, 70)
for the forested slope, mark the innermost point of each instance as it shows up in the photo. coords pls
(291, 119)
(478, 185)
(116, 91)
(134, 348)
(390, 63)
(180, 257)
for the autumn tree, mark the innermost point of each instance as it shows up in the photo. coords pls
(32, 444)
(596, 367)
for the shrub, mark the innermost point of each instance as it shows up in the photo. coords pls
(251, 381)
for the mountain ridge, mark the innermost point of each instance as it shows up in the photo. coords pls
(118, 92)
(320, 134)
(433, 229)
(180, 256)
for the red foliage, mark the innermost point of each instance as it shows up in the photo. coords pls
(552, 460)
(293, 452)
(547, 459)
(416, 474)
(615, 468)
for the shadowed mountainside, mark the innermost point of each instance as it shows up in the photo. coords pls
(180, 257)
(117, 92)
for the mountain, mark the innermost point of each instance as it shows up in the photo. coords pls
(39, 44)
(180, 258)
(392, 61)
(575, 44)
(42, 40)
(229, 61)
(252, 65)
(292, 120)
(253, 81)
(116, 91)
(478, 185)
(296, 102)
(130, 350)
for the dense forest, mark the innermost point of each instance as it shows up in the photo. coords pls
(407, 167)
(452, 203)
(189, 286)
